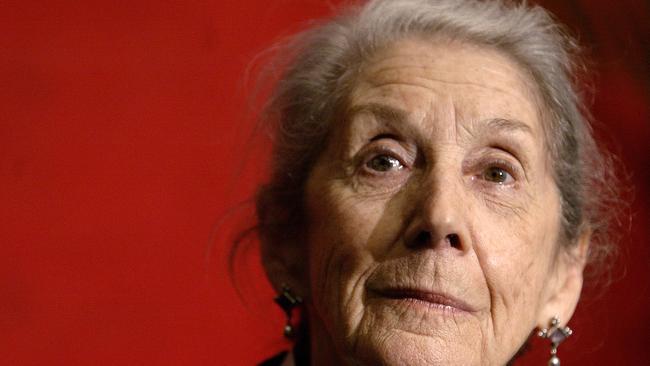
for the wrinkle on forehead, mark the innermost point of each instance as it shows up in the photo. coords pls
(420, 53)
(439, 64)
(401, 120)
(463, 84)
(381, 79)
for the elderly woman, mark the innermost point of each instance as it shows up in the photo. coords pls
(435, 187)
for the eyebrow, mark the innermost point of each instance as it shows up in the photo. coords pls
(508, 125)
(387, 114)
(381, 111)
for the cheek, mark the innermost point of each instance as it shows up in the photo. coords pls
(515, 253)
(351, 233)
(339, 259)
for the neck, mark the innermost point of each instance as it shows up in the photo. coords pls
(322, 349)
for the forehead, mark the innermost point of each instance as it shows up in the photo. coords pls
(441, 80)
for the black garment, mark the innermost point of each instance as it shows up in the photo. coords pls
(300, 351)
(275, 360)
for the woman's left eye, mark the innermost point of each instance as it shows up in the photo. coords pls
(497, 175)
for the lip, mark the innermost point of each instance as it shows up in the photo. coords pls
(433, 299)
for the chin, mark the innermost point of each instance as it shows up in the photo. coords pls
(401, 348)
(413, 334)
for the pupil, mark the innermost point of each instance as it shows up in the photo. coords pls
(497, 175)
(383, 163)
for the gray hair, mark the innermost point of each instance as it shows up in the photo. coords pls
(322, 62)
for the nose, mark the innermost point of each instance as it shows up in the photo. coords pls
(440, 217)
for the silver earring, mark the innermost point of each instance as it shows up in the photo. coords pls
(288, 301)
(557, 335)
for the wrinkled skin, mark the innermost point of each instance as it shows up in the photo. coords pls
(433, 215)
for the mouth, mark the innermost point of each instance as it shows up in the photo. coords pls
(435, 300)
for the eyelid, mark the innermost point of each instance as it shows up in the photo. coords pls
(383, 145)
(513, 152)
(475, 167)
(510, 168)
(382, 136)
(381, 150)
(388, 144)
(504, 164)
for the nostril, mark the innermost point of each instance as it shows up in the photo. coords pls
(453, 240)
(422, 239)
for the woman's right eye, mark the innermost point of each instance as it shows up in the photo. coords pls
(384, 163)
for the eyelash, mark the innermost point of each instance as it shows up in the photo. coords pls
(382, 152)
(482, 167)
(505, 165)
(381, 146)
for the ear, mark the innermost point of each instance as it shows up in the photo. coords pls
(285, 265)
(565, 283)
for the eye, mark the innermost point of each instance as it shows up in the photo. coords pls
(497, 175)
(384, 163)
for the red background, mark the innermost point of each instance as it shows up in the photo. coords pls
(122, 143)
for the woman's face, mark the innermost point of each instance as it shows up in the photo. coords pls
(433, 214)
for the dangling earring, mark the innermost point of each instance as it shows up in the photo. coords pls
(557, 335)
(288, 301)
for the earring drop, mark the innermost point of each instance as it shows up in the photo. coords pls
(557, 335)
(288, 301)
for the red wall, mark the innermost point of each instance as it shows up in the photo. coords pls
(122, 143)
